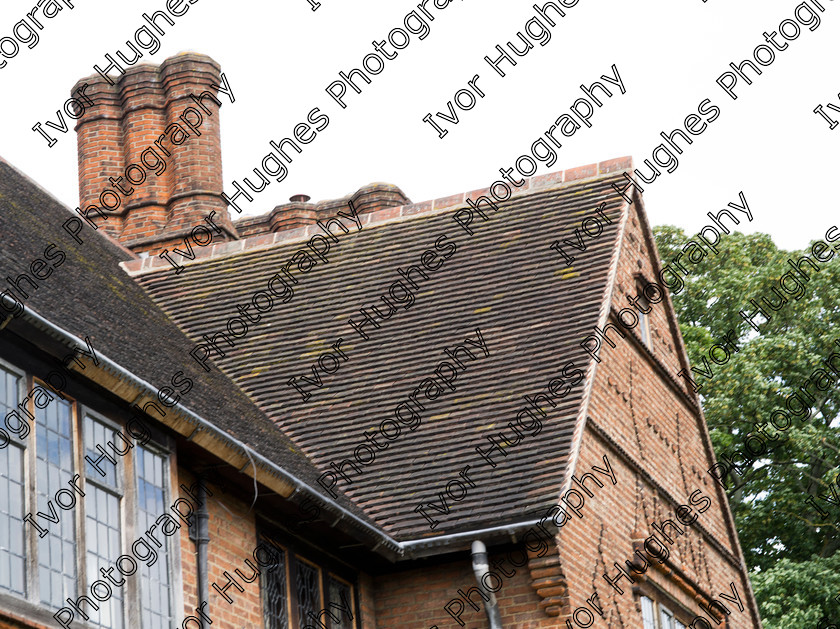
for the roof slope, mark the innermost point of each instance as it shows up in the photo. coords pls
(531, 310)
(89, 295)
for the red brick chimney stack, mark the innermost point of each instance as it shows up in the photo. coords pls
(152, 180)
(132, 122)
(99, 136)
(143, 121)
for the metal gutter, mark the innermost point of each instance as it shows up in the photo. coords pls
(208, 426)
(443, 540)
(396, 549)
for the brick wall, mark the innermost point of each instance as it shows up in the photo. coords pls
(415, 598)
(655, 439)
(647, 422)
(367, 590)
(232, 532)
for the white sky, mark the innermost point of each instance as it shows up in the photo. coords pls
(280, 56)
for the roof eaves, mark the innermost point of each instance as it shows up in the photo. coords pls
(392, 549)
(418, 548)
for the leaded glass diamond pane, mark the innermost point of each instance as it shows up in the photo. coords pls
(275, 593)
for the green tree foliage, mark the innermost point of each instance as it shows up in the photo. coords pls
(790, 548)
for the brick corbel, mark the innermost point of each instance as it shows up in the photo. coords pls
(549, 582)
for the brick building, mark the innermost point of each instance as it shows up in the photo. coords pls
(323, 415)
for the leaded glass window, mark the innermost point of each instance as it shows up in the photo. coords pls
(340, 595)
(100, 457)
(54, 464)
(308, 586)
(648, 618)
(63, 493)
(102, 520)
(155, 606)
(275, 593)
(12, 557)
(666, 618)
(313, 595)
(657, 616)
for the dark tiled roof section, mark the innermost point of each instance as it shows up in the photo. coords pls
(89, 295)
(532, 312)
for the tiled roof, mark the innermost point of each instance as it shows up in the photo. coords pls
(531, 310)
(89, 295)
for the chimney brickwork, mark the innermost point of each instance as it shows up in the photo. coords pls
(378, 196)
(150, 165)
(152, 141)
(297, 213)
(292, 215)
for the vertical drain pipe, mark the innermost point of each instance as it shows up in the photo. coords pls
(202, 539)
(481, 567)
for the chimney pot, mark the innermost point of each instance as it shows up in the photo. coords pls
(299, 198)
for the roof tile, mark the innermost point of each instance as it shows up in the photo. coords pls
(531, 308)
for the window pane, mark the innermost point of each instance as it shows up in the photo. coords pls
(342, 597)
(54, 463)
(308, 586)
(9, 388)
(666, 618)
(273, 578)
(12, 560)
(155, 604)
(648, 621)
(12, 556)
(98, 435)
(102, 534)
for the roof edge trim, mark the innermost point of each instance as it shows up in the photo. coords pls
(449, 540)
(393, 549)
(603, 317)
(539, 183)
(382, 539)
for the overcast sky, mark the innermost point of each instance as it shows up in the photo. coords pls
(279, 57)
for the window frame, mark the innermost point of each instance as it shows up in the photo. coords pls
(125, 498)
(660, 610)
(326, 570)
(170, 489)
(351, 586)
(264, 602)
(113, 417)
(28, 480)
(651, 622)
(645, 332)
(666, 614)
(77, 514)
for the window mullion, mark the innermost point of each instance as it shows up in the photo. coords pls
(81, 537)
(33, 592)
(131, 589)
